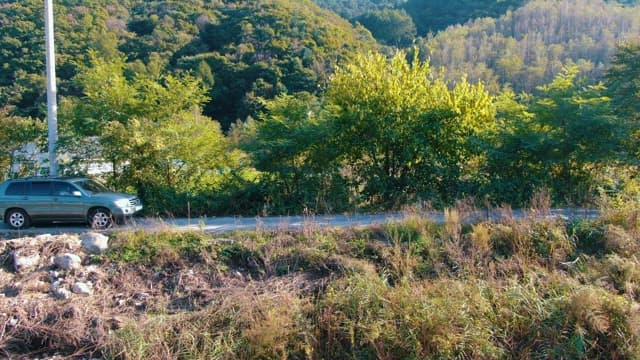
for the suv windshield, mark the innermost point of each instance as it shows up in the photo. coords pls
(91, 186)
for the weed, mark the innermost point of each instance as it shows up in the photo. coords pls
(157, 248)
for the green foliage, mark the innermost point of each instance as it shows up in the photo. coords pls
(623, 81)
(293, 47)
(151, 131)
(79, 27)
(530, 45)
(351, 9)
(22, 56)
(288, 145)
(282, 47)
(549, 143)
(15, 133)
(390, 27)
(160, 248)
(432, 16)
(401, 132)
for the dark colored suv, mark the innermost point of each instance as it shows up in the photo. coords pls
(60, 199)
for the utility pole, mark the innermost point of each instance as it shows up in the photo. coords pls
(52, 105)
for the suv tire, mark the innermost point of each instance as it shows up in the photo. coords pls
(100, 218)
(17, 219)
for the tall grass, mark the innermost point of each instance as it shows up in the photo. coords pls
(532, 288)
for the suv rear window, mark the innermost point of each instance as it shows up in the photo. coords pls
(16, 188)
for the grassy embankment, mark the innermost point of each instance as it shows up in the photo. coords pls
(529, 288)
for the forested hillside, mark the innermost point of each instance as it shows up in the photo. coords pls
(259, 49)
(529, 46)
(283, 106)
(350, 9)
(433, 16)
(242, 50)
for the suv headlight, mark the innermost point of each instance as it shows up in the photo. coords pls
(122, 203)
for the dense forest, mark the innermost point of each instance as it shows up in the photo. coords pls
(283, 106)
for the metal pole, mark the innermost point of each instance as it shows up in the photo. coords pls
(52, 106)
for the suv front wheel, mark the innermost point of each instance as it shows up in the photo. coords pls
(100, 218)
(17, 219)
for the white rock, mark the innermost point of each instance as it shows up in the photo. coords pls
(24, 263)
(59, 291)
(68, 261)
(82, 288)
(54, 275)
(94, 243)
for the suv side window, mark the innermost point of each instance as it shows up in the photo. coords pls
(62, 189)
(16, 188)
(40, 188)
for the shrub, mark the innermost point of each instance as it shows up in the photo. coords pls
(155, 248)
(363, 317)
(589, 236)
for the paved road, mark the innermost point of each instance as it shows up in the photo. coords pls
(225, 224)
(214, 224)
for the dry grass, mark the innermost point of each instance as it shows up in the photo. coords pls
(514, 288)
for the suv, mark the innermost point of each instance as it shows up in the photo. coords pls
(59, 199)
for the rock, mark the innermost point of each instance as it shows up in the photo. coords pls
(94, 243)
(58, 290)
(54, 275)
(24, 263)
(68, 261)
(82, 289)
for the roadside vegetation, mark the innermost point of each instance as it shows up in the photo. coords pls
(537, 287)
(284, 107)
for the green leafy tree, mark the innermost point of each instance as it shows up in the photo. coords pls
(15, 133)
(151, 130)
(288, 146)
(403, 132)
(22, 82)
(623, 81)
(556, 140)
(515, 166)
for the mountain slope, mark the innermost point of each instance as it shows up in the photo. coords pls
(529, 46)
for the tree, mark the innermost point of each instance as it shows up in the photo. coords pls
(623, 81)
(390, 27)
(401, 131)
(151, 130)
(556, 140)
(288, 145)
(16, 133)
(432, 16)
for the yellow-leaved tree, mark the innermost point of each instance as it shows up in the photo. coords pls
(403, 132)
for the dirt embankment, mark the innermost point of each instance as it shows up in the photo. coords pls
(61, 299)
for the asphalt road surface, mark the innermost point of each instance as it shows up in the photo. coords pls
(218, 225)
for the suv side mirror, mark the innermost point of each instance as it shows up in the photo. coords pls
(76, 193)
